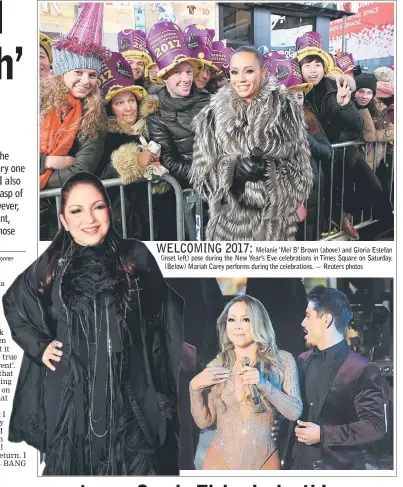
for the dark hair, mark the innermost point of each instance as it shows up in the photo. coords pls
(312, 122)
(108, 107)
(62, 240)
(309, 59)
(332, 301)
(253, 50)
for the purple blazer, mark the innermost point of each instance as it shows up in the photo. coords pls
(350, 413)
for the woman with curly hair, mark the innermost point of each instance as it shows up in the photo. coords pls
(251, 156)
(244, 388)
(71, 112)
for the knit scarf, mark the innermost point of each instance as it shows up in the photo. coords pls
(57, 135)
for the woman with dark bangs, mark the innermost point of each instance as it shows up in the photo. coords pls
(102, 339)
(221, 394)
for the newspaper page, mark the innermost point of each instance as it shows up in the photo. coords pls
(202, 289)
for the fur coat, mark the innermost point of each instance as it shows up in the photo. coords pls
(228, 129)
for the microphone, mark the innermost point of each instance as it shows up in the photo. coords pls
(245, 361)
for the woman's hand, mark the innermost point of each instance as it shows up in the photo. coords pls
(343, 91)
(58, 162)
(209, 377)
(52, 353)
(252, 376)
(146, 158)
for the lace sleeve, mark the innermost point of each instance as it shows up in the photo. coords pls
(202, 406)
(288, 400)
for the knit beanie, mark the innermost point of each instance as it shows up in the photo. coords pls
(82, 47)
(366, 80)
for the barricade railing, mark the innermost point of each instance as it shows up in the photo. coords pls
(117, 182)
(329, 216)
(333, 229)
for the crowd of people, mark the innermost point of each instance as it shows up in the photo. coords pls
(250, 133)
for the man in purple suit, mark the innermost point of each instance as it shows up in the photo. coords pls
(341, 390)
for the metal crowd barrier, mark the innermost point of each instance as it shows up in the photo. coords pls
(334, 229)
(117, 182)
(189, 205)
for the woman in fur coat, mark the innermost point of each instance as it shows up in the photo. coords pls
(251, 156)
(127, 154)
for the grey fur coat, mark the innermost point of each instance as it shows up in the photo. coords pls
(229, 128)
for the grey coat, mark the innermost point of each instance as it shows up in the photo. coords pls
(229, 128)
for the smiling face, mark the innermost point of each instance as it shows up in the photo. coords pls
(363, 96)
(312, 72)
(246, 74)
(239, 326)
(203, 77)
(124, 107)
(138, 68)
(86, 215)
(80, 82)
(44, 64)
(315, 327)
(179, 80)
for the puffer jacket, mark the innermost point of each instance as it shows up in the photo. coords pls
(170, 126)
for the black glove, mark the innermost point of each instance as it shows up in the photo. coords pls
(250, 168)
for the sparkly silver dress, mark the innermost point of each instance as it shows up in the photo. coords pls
(243, 434)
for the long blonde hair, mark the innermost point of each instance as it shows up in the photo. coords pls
(262, 332)
(53, 95)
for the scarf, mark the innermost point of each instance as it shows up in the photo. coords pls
(57, 136)
(170, 104)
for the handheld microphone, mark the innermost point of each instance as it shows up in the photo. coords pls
(245, 361)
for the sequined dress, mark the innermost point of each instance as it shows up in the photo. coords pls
(243, 430)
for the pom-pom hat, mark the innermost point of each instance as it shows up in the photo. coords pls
(166, 44)
(82, 47)
(116, 77)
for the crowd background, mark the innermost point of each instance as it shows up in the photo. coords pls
(153, 107)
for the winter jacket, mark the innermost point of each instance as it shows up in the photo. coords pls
(229, 128)
(170, 126)
(122, 147)
(87, 155)
(340, 123)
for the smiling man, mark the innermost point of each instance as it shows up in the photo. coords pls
(132, 46)
(178, 102)
(341, 391)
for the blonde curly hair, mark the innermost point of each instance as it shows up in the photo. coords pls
(262, 332)
(53, 95)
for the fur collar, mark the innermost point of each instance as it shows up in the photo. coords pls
(139, 128)
(149, 105)
(349, 79)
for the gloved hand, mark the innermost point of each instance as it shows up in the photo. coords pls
(250, 168)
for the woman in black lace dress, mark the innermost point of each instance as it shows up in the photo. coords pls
(102, 340)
